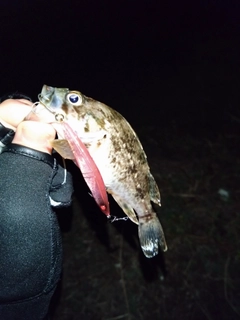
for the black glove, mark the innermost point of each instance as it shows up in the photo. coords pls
(6, 136)
(61, 189)
(30, 240)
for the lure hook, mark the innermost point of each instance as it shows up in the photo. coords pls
(114, 218)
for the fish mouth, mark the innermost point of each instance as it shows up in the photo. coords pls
(46, 94)
(52, 98)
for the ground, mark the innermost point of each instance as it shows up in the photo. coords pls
(106, 276)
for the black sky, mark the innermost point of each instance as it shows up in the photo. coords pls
(158, 60)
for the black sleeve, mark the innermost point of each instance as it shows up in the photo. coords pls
(30, 250)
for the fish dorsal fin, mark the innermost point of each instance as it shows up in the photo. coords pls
(154, 191)
(63, 148)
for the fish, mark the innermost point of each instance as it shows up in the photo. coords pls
(118, 154)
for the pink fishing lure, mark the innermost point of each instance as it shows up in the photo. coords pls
(88, 168)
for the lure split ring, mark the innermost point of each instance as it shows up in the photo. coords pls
(59, 117)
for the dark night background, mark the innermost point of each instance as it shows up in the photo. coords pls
(159, 60)
(172, 69)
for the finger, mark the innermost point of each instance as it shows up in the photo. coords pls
(13, 111)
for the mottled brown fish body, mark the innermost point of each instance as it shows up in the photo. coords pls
(119, 156)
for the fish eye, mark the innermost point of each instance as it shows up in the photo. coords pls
(74, 99)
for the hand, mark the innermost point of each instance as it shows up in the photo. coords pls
(33, 134)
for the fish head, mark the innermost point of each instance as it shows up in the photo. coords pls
(60, 101)
(84, 114)
(62, 105)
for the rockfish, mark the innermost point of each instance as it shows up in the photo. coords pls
(117, 153)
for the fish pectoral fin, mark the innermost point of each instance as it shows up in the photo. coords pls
(154, 191)
(126, 208)
(62, 147)
(91, 137)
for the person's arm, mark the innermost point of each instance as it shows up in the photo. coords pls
(31, 182)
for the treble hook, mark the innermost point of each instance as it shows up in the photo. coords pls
(115, 218)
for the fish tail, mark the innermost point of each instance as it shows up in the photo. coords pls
(151, 236)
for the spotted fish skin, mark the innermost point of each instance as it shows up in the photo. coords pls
(119, 156)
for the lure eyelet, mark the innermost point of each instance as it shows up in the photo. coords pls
(59, 117)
